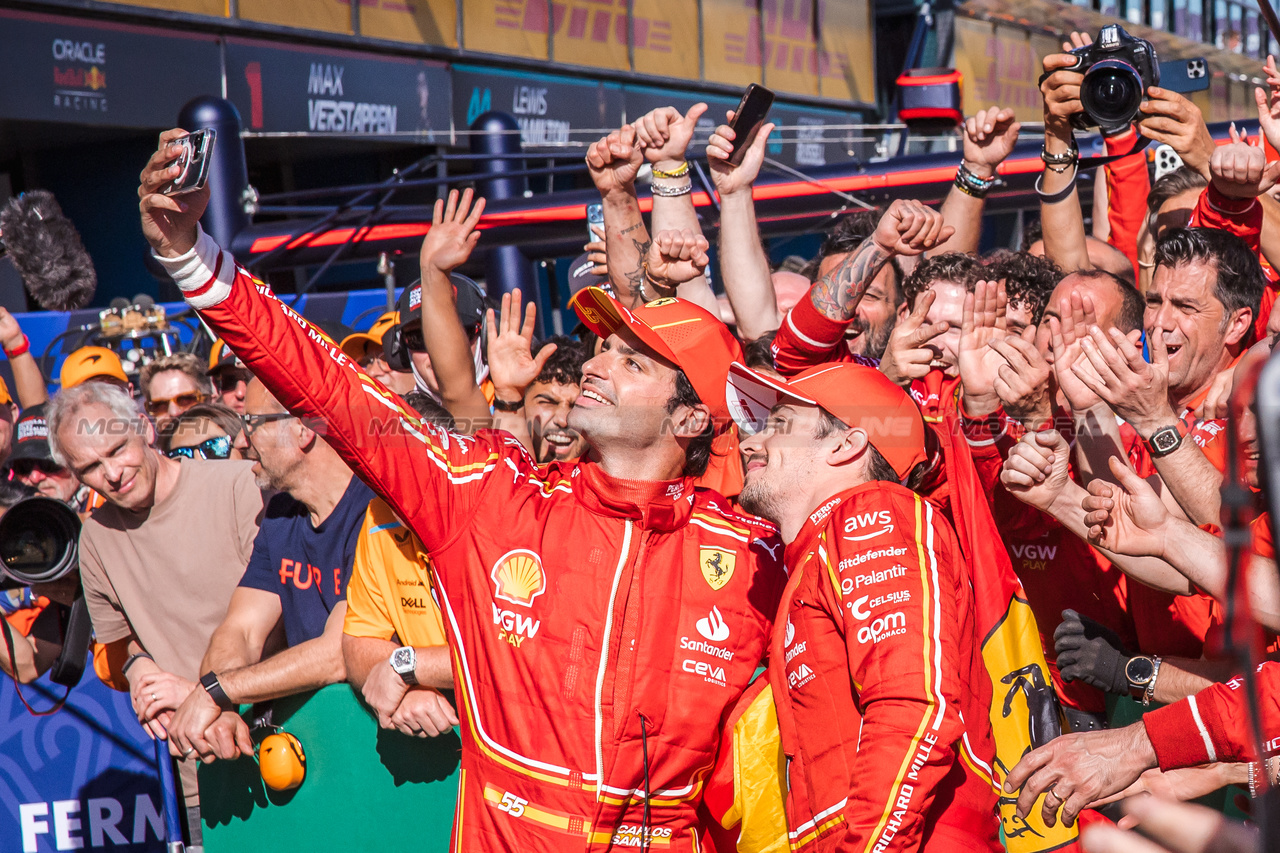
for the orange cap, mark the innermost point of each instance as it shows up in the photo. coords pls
(4, 393)
(354, 344)
(858, 396)
(89, 363)
(685, 334)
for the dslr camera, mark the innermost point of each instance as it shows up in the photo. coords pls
(1118, 69)
(39, 542)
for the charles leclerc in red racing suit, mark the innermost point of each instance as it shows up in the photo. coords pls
(601, 630)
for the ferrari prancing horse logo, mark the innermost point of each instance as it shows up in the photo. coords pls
(717, 566)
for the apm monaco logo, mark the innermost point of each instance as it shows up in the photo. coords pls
(518, 577)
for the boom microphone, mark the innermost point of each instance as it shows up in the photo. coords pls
(48, 252)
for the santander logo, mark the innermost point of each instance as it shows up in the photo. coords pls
(712, 626)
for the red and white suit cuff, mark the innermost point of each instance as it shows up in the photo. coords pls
(204, 274)
(1179, 735)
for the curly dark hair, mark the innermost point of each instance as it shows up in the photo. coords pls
(1240, 279)
(565, 364)
(1029, 280)
(951, 266)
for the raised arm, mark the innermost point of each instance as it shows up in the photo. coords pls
(744, 266)
(664, 136)
(989, 138)
(1061, 219)
(613, 163)
(512, 365)
(430, 479)
(28, 381)
(447, 246)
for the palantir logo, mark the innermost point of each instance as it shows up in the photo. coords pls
(713, 627)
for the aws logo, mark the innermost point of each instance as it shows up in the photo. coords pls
(518, 577)
(857, 528)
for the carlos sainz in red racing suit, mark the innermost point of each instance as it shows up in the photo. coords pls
(601, 629)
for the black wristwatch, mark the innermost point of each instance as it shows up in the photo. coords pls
(1139, 670)
(1165, 440)
(209, 681)
(504, 406)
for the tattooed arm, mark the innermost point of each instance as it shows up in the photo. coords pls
(613, 163)
(907, 228)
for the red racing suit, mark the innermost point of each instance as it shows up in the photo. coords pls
(600, 629)
(1213, 725)
(881, 690)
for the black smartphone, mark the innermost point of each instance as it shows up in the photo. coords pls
(193, 162)
(1184, 75)
(752, 111)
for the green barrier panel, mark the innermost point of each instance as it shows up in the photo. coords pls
(366, 789)
(1123, 711)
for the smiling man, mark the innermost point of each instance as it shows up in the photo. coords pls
(161, 558)
(875, 661)
(590, 701)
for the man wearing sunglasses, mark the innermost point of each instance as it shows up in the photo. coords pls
(229, 375)
(32, 464)
(171, 385)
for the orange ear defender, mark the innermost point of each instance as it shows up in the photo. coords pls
(282, 761)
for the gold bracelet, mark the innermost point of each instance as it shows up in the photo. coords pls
(678, 172)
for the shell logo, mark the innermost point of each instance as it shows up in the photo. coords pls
(518, 577)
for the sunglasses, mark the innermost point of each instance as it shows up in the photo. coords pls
(24, 467)
(182, 401)
(229, 378)
(218, 447)
(252, 422)
(414, 341)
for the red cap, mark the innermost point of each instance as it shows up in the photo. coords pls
(685, 334)
(858, 396)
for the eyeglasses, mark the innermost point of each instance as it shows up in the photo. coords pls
(24, 467)
(229, 378)
(252, 422)
(183, 401)
(413, 339)
(218, 447)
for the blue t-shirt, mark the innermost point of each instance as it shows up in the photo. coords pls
(308, 567)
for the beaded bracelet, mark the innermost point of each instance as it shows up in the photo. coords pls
(970, 184)
(672, 191)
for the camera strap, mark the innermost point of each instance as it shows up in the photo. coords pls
(1094, 162)
(7, 630)
(69, 667)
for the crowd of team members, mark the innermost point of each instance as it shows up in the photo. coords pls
(610, 532)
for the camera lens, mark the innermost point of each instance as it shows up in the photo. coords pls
(1111, 93)
(39, 540)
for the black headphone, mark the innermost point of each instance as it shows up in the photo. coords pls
(394, 352)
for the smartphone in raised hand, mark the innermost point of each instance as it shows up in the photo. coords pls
(193, 162)
(751, 113)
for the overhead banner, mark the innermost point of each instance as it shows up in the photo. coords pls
(1001, 66)
(418, 21)
(216, 8)
(553, 112)
(60, 69)
(666, 38)
(283, 89)
(332, 16)
(512, 27)
(846, 51)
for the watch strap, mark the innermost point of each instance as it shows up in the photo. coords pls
(409, 677)
(124, 670)
(209, 681)
(1149, 693)
(504, 406)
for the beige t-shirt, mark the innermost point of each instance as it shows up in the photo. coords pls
(167, 575)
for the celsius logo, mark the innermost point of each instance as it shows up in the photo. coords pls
(712, 626)
(861, 524)
(791, 634)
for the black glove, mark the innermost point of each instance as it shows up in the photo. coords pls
(1090, 652)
